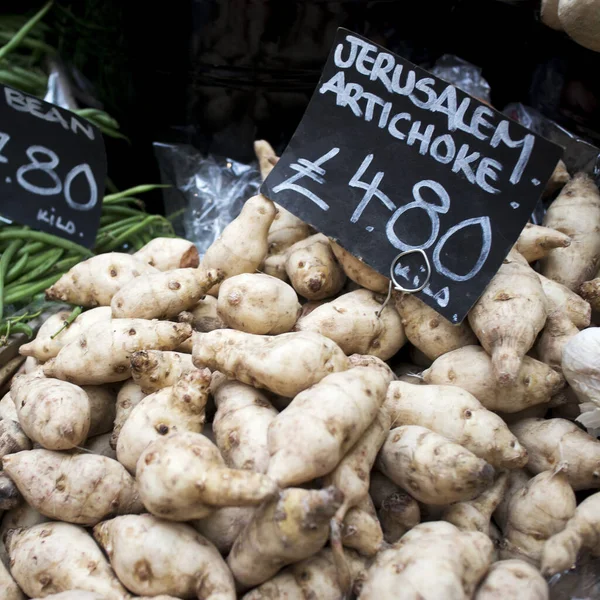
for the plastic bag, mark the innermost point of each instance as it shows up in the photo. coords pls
(580, 583)
(207, 192)
(463, 75)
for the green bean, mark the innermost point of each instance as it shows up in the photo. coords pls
(26, 291)
(96, 115)
(4, 262)
(30, 75)
(126, 235)
(22, 33)
(137, 242)
(74, 314)
(48, 239)
(140, 189)
(10, 328)
(113, 133)
(62, 266)
(121, 210)
(8, 78)
(124, 200)
(28, 42)
(120, 224)
(38, 259)
(17, 268)
(31, 248)
(39, 270)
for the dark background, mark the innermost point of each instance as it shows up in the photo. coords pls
(220, 73)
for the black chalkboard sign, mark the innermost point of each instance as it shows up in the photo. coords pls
(389, 158)
(52, 168)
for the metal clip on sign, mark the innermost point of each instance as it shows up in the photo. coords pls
(394, 282)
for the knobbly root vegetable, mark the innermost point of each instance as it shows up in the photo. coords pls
(513, 579)
(151, 556)
(267, 158)
(476, 515)
(258, 303)
(359, 272)
(31, 364)
(314, 577)
(163, 295)
(285, 530)
(576, 212)
(223, 526)
(559, 329)
(285, 364)
(22, 516)
(54, 413)
(428, 331)
(57, 557)
(241, 424)
(561, 298)
(173, 409)
(581, 21)
(470, 368)
(465, 421)
(517, 479)
(329, 418)
(352, 322)
(94, 282)
(243, 244)
(102, 401)
(10, 590)
(45, 346)
(397, 511)
(536, 512)
(12, 436)
(590, 291)
(431, 468)
(75, 595)
(154, 370)
(560, 176)
(183, 477)
(434, 561)
(552, 441)
(9, 494)
(285, 231)
(313, 269)
(275, 267)
(351, 476)
(509, 315)
(581, 531)
(580, 365)
(80, 488)
(366, 360)
(203, 317)
(535, 242)
(361, 529)
(100, 444)
(166, 254)
(102, 353)
(129, 396)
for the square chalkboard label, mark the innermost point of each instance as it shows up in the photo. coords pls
(52, 168)
(389, 158)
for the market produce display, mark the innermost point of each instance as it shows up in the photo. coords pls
(32, 261)
(204, 430)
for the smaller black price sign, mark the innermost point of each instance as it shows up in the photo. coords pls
(390, 159)
(52, 168)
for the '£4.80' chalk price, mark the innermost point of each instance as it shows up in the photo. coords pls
(438, 204)
(37, 175)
